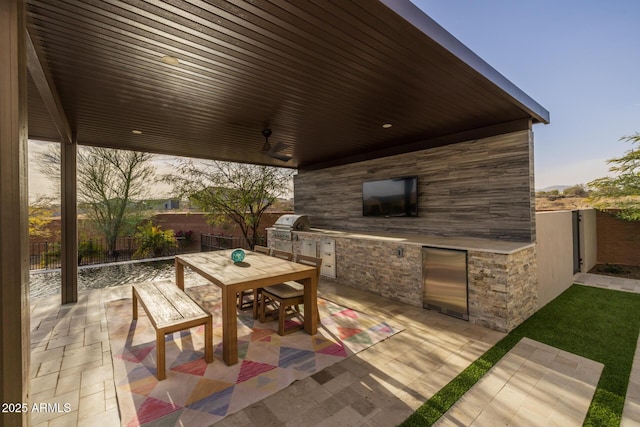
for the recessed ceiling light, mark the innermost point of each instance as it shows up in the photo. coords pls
(171, 60)
(137, 132)
(387, 125)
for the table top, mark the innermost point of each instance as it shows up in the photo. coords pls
(218, 267)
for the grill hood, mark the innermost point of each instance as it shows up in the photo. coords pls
(292, 223)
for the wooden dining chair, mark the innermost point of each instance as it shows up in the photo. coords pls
(257, 293)
(245, 299)
(288, 296)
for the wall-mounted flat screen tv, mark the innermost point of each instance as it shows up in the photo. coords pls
(394, 197)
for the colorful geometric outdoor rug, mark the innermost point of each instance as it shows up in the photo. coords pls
(198, 394)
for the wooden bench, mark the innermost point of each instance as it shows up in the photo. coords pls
(171, 310)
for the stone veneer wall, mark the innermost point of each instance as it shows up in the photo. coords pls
(481, 188)
(502, 287)
(372, 265)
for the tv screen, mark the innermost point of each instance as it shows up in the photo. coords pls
(390, 197)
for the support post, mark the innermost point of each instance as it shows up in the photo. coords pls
(69, 222)
(14, 230)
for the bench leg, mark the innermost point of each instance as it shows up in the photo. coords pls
(135, 303)
(161, 374)
(208, 340)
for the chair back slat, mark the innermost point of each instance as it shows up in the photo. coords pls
(261, 249)
(282, 254)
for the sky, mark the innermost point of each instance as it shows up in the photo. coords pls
(578, 59)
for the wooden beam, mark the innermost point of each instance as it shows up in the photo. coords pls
(42, 77)
(69, 222)
(14, 255)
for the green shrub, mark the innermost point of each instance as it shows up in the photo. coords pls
(88, 249)
(51, 257)
(152, 241)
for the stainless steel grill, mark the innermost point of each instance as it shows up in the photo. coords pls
(283, 228)
(288, 223)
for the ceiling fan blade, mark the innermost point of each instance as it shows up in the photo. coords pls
(281, 157)
(278, 146)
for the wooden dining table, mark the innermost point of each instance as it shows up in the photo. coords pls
(255, 271)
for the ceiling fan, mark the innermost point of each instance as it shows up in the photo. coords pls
(276, 150)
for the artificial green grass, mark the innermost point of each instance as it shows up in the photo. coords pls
(598, 324)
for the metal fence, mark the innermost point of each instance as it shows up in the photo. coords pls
(46, 255)
(216, 242)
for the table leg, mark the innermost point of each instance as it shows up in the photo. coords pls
(229, 327)
(179, 275)
(311, 305)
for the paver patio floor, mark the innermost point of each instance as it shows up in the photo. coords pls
(381, 386)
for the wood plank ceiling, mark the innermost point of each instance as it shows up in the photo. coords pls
(323, 75)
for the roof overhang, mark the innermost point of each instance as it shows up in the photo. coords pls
(323, 76)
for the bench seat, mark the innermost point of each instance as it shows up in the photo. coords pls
(171, 310)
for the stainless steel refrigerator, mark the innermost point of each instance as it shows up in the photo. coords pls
(444, 273)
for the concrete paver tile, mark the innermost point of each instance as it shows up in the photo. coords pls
(588, 371)
(81, 368)
(492, 416)
(68, 383)
(564, 364)
(633, 389)
(49, 366)
(43, 395)
(289, 402)
(45, 382)
(543, 356)
(390, 415)
(97, 374)
(560, 419)
(631, 414)
(109, 418)
(92, 389)
(40, 354)
(91, 405)
(317, 413)
(76, 337)
(526, 417)
(66, 420)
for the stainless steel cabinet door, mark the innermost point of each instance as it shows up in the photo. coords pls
(444, 273)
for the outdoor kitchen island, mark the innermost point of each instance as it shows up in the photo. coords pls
(501, 275)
